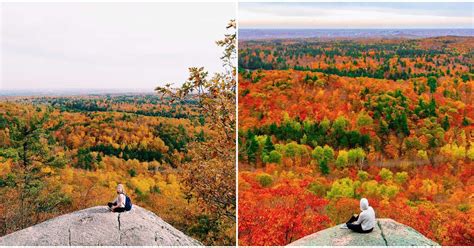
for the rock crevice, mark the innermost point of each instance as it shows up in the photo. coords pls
(118, 220)
(69, 236)
(98, 226)
(381, 233)
(387, 232)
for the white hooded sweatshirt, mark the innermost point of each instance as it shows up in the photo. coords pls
(367, 217)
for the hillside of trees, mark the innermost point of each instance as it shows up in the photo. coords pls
(381, 59)
(324, 123)
(58, 155)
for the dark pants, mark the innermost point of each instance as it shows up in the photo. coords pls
(118, 210)
(354, 227)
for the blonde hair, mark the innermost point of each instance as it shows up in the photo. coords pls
(120, 188)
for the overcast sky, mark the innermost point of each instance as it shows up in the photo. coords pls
(108, 45)
(356, 15)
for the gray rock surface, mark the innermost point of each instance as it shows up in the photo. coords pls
(387, 232)
(98, 226)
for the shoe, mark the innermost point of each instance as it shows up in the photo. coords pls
(343, 226)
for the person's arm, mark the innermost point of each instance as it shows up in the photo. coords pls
(359, 220)
(116, 203)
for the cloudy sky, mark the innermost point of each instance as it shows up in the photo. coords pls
(356, 15)
(108, 45)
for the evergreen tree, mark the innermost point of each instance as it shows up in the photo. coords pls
(465, 121)
(30, 153)
(432, 108)
(251, 146)
(84, 159)
(433, 84)
(391, 110)
(200, 136)
(323, 166)
(445, 123)
(268, 146)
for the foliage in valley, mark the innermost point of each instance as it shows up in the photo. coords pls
(324, 123)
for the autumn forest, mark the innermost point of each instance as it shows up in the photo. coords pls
(177, 124)
(173, 150)
(60, 154)
(324, 122)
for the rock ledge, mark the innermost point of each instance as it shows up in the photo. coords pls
(387, 232)
(98, 226)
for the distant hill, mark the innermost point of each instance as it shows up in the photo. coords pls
(256, 34)
(72, 92)
(98, 226)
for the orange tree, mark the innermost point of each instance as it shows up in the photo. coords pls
(210, 176)
(278, 213)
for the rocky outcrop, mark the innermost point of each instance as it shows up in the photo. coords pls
(387, 232)
(98, 226)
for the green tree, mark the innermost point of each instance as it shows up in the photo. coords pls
(251, 147)
(274, 157)
(402, 131)
(318, 153)
(325, 124)
(84, 159)
(465, 121)
(433, 84)
(200, 137)
(445, 123)
(344, 187)
(386, 174)
(391, 110)
(342, 159)
(323, 166)
(264, 179)
(362, 175)
(32, 152)
(435, 135)
(364, 120)
(340, 124)
(356, 156)
(401, 177)
(323, 155)
(268, 146)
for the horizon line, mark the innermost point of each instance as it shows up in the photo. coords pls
(405, 28)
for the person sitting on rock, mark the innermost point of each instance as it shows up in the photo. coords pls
(365, 221)
(122, 203)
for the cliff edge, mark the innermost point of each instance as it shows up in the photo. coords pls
(98, 226)
(387, 232)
